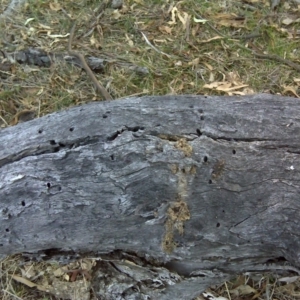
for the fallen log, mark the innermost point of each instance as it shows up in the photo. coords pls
(191, 189)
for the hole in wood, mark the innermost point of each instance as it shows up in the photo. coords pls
(202, 118)
(205, 159)
(209, 181)
(23, 203)
(218, 224)
(135, 128)
(40, 131)
(55, 149)
(48, 185)
(52, 142)
(113, 136)
(104, 116)
(199, 132)
(71, 128)
(7, 229)
(233, 151)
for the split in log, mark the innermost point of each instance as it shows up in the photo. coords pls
(190, 189)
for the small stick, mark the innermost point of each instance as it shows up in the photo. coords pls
(90, 73)
(153, 47)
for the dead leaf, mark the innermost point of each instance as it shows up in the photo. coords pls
(46, 27)
(224, 86)
(297, 80)
(54, 6)
(159, 41)
(165, 29)
(212, 85)
(58, 272)
(28, 21)
(116, 14)
(173, 16)
(208, 66)
(203, 21)
(287, 21)
(243, 290)
(235, 88)
(194, 62)
(229, 20)
(212, 39)
(228, 86)
(54, 36)
(129, 40)
(94, 42)
(290, 89)
(184, 19)
(30, 283)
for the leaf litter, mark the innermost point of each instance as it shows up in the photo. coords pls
(149, 48)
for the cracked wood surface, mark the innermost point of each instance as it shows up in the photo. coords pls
(206, 186)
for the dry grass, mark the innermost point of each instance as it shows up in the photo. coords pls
(192, 56)
(197, 59)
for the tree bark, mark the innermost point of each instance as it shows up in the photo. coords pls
(196, 188)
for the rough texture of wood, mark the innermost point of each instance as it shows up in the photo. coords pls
(200, 187)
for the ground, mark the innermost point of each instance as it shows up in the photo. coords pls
(149, 48)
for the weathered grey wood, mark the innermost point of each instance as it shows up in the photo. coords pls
(204, 186)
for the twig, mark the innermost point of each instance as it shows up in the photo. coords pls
(153, 47)
(262, 56)
(228, 293)
(3, 120)
(277, 58)
(212, 27)
(90, 73)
